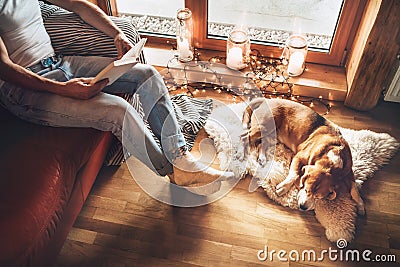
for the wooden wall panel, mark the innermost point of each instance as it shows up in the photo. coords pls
(373, 54)
(366, 24)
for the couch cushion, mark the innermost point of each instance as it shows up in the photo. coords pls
(38, 166)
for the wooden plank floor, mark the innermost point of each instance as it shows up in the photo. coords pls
(120, 225)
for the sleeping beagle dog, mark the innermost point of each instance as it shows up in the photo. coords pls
(321, 167)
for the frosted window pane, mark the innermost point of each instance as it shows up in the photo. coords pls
(151, 16)
(272, 21)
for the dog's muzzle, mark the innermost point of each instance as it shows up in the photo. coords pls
(305, 201)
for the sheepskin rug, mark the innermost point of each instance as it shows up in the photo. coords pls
(370, 151)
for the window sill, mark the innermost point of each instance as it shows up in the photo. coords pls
(324, 81)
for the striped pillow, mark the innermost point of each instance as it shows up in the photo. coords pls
(70, 35)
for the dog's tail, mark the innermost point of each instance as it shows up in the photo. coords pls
(253, 105)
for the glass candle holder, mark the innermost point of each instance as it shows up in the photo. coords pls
(237, 49)
(295, 54)
(184, 37)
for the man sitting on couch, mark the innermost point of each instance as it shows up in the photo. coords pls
(49, 89)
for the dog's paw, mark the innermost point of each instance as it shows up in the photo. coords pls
(239, 155)
(244, 136)
(262, 159)
(282, 188)
(281, 191)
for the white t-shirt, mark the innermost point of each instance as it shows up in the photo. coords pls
(23, 32)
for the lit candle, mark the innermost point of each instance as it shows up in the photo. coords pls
(234, 58)
(184, 49)
(296, 63)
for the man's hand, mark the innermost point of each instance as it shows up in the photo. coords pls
(123, 44)
(80, 88)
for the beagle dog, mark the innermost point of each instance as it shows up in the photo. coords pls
(321, 167)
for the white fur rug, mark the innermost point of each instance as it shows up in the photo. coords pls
(370, 151)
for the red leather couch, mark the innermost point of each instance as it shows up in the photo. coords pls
(46, 174)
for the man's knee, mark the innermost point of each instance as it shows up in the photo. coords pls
(145, 72)
(150, 82)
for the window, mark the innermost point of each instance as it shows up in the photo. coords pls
(151, 17)
(329, 25)
(270, 22)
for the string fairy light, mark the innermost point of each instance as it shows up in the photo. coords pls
(268, 74)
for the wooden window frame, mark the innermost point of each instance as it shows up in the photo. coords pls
(342, 42)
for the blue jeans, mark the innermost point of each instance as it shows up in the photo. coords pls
(105, 111)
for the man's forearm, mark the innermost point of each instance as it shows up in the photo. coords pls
(79, 88)
(18, 75)
(22, 77)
